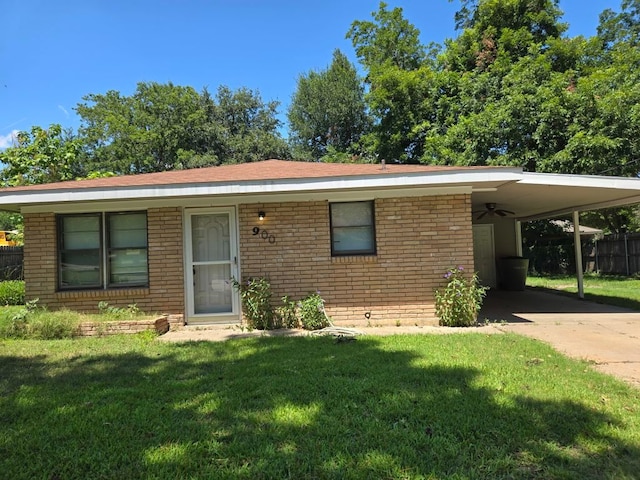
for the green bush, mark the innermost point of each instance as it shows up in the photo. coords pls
(458, 304)
(257, 308)
(255, 294)
(311, 311)
(12, 292)
(287, 314)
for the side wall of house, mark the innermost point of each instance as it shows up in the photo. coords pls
(418, 239)
(165, 293)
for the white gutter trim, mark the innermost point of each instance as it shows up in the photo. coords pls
(564, 180)
(221, 201)
(26, 197)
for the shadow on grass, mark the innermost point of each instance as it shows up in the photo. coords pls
(288, 408)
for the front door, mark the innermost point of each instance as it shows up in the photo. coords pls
(212, 261)
(484, 256)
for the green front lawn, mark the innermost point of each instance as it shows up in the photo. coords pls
(613, 290)
(455, 406)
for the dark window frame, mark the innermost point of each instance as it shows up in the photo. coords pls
(346, 253)
(104, 252)
(109, 249)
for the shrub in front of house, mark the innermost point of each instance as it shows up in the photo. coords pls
(458, 303)
(12, 292)
(287, 313)
(260, 314)
(255, 295)
(311, 312)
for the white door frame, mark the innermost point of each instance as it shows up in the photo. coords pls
(210, 318)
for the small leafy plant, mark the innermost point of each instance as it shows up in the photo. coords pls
(458, 304)
(118, 313)
(260, 314)
(311, 311)
(287, 313)
(255, 295)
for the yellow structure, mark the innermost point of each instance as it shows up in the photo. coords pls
(5, 239)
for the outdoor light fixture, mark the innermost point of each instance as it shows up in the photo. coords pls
(261, 215)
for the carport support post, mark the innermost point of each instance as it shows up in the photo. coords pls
(578, 250)
(518, 238)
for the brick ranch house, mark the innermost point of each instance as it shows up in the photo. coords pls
(375, 240)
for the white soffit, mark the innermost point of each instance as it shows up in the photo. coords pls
(540, 195)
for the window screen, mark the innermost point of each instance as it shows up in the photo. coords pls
(352, 228)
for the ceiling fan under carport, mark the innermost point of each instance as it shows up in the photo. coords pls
(491, 210)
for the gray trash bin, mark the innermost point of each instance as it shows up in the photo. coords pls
(513, 273)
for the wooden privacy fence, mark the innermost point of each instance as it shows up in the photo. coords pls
(614, 254)
(11, 260)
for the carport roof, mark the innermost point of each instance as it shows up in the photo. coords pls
(529, 195)
(543, 195)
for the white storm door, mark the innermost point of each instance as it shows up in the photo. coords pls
(484, 256)
(211, 264)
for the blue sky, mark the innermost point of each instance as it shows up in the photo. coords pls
(54, 53)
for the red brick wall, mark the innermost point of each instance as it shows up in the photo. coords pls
(418, 239)
(166, 276)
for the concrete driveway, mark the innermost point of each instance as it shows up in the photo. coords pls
(606, 335)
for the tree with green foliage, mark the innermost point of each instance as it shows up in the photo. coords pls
(524, 95)
(387, 40)
(164, 126)
(41, 156)
(242, 128)
(327, 115)
(620, 27)
(397, 73)
(511, 89)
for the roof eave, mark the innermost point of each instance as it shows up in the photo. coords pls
(13, 200)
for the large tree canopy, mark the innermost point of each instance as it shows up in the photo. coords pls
(511, 89)
(388, 40)
(389, 49)
(327, 114)
(41, 156)
(165, 126)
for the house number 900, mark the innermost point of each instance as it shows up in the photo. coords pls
(264, 235)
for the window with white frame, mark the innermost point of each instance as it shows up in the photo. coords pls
(102, 250)
(352, 228)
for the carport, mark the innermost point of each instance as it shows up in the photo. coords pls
(535, 196)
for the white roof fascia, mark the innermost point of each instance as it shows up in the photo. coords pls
(225, 201)
(565, 180)
(283, 186)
